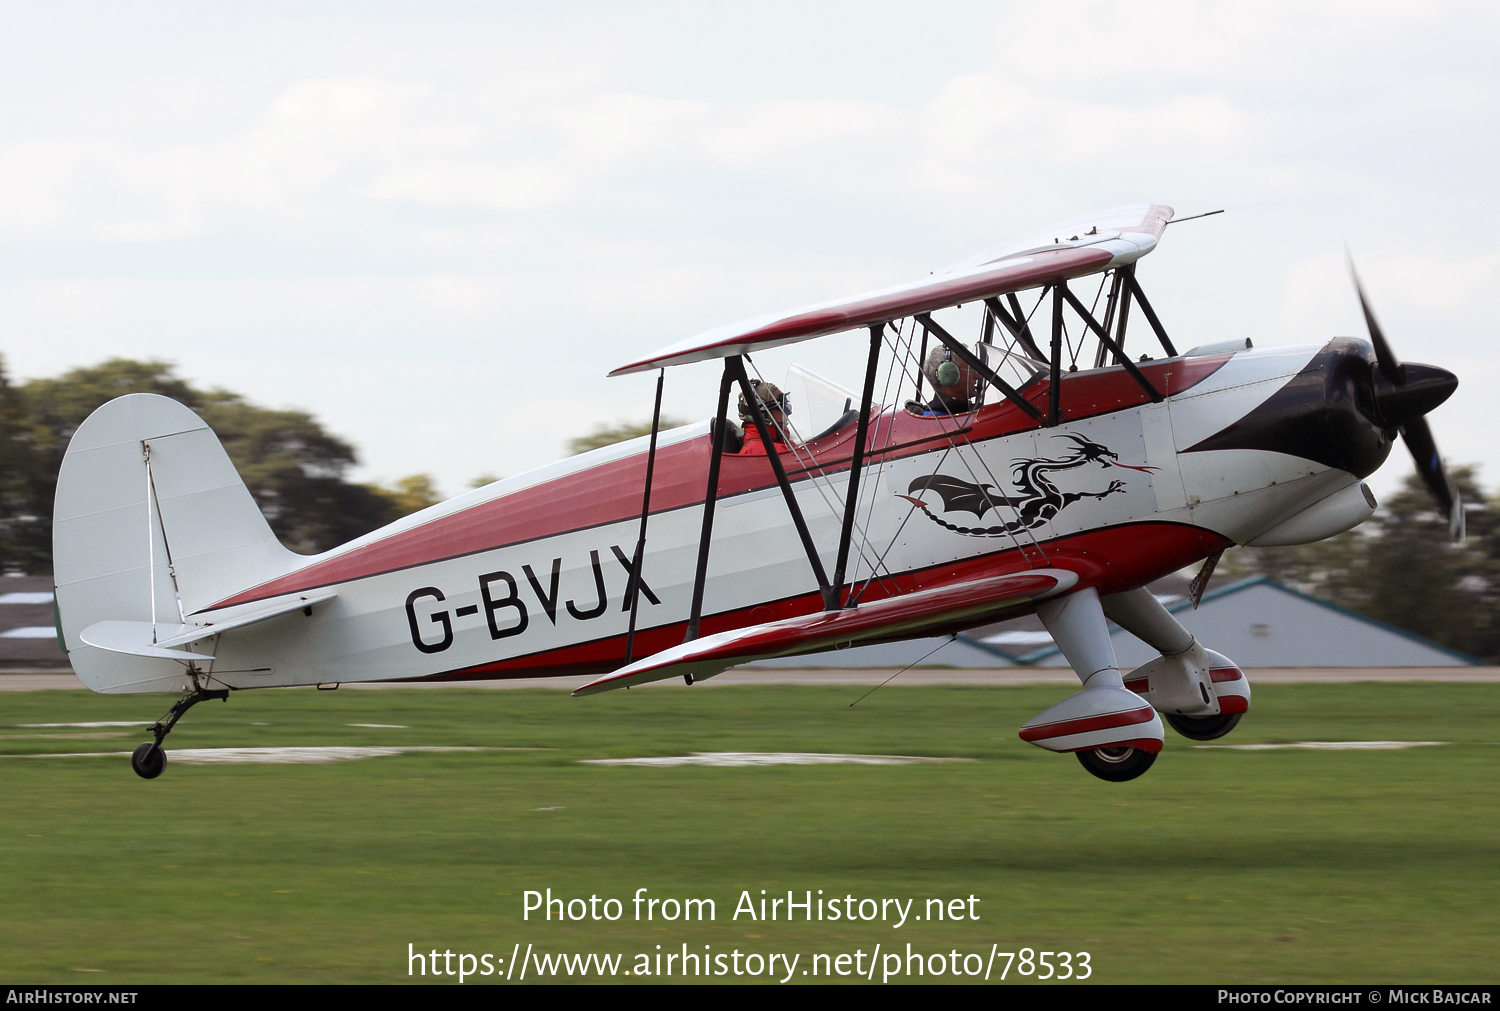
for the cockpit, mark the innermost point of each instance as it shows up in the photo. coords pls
(810, 407)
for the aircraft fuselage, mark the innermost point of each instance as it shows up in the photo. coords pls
(527, 577)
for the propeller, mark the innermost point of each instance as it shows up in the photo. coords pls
(1404, 394)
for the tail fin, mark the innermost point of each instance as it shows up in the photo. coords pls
(151, 523)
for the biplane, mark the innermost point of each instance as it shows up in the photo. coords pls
(1055, 462)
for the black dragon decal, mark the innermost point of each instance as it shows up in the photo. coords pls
(1040, 500)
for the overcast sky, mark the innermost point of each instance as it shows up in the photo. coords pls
(436, 226)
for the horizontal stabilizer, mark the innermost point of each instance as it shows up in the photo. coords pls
(910, 614)
(142, 638)
(139, 638)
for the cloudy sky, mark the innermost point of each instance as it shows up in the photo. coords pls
(436, 226)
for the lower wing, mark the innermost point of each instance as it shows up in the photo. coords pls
(908, 615)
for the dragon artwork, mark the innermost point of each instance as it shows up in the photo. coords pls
(1040, 500)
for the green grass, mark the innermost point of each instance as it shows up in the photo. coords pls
(1216, 866)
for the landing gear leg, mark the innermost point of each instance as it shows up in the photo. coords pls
(149, 760)
(1115, 733)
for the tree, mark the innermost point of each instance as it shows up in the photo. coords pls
(18, 475)
(53, 409)
(293, 468)
(410, 494)
(608, 435)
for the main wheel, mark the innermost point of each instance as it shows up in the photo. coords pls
(1117, 765)
(148, 760)
(1204, 728)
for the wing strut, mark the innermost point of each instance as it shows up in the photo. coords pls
(631, 592)
(953, 344)
(1140, 296)
(921, 364)
(1110, 308)
(735, 365)
(1016, 325)
(700, 576)
(1105, 340)
(851, 501)
(1054, 387)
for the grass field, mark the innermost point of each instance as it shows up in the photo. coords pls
(1217, 866)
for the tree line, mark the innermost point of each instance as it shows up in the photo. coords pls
(295, 469)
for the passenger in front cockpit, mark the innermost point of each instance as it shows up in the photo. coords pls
(774, 408)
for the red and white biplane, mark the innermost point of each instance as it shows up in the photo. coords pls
(1048, 473)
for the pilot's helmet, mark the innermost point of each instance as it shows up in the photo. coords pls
(950, 375)
(770, 397)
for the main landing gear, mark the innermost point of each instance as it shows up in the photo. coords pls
(149, 760)
(1113, 725)
(1117, 765)
(1114, 732)
(1204, 728)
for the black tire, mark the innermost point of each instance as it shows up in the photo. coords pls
(1117, 765)
(1204, 728)
(148, 760)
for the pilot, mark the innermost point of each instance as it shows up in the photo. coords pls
(774, 408)
(955, 385)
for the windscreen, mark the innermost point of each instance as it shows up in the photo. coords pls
(1012, 366)
(818, 404)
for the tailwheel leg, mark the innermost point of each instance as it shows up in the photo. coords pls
(149, 760)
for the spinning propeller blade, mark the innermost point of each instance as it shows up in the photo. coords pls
(1418, 438)
(1390, 366)
(1403, 395)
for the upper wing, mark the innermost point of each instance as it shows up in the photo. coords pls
(1073, 248)
(907, 615)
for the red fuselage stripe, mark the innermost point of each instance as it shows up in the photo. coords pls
(1138, 553)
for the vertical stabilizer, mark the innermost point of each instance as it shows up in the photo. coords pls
(151, 523)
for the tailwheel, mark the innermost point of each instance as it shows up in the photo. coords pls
(148, 760)
(1204, 728)
(1117, 765)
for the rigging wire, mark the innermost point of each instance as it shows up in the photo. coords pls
(903, 670)
(872, 486)
(996, 483)
(943, 421)
(823, 488)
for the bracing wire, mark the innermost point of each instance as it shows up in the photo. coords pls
(903, 353)
(875, 472)
(903, 670)
(821, 481)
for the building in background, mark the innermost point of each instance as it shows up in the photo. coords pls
(28, 634)
(1255, 622)
(1258, 622)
